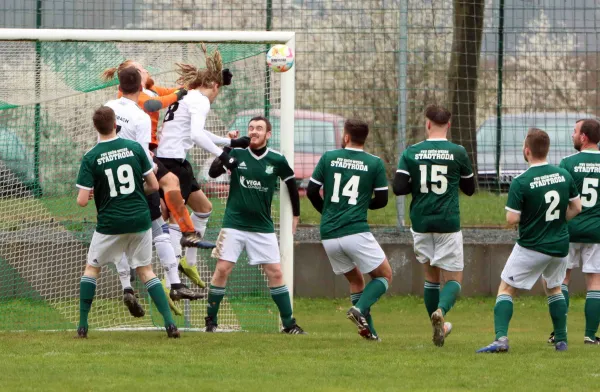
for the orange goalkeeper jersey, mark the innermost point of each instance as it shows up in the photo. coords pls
(151, 101)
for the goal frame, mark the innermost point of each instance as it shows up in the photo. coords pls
(287, 93)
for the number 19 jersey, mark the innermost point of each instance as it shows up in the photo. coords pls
(541, 195)
(584, 167)
(348, 176)
(435, 167)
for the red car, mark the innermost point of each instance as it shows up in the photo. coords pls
(314, 133)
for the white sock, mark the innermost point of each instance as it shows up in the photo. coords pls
(166, 255)
(124, 272)
(175, 234)
(200, 221)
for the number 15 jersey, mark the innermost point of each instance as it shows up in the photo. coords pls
(435, 167)
(348, 176)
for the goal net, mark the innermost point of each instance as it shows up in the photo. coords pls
(50, 89)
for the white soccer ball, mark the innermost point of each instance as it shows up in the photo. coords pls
(280, 58)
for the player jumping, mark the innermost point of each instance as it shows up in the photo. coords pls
(541, 200)
(349, 176)
(433, 171)
(247, 223)
(120, 174)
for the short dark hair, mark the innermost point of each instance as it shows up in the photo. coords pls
(104, 120)
(438, 114)
(538, 142)
(130, 80)
(262, 118)
(591, 129)
(358, 131)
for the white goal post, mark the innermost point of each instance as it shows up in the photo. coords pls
(287, 92)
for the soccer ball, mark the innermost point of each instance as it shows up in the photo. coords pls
(280, 58)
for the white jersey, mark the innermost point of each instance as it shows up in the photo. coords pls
(132, 123)
(183, 127)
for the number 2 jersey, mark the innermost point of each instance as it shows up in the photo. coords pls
(348, 177)
(541, 196)
(115, 169)
(584, 167)
(435, 167)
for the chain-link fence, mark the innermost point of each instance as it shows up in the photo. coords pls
(499, 65)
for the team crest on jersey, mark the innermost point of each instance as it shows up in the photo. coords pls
(269, 169)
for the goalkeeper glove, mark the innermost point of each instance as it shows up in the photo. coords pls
(229, 162)
(227, 76)
(181, 93)
(241, 142)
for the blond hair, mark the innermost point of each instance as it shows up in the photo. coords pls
(109, 73)
(191, 77)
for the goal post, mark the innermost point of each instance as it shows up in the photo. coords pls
(51, 86)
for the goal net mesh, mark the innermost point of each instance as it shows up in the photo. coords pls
(49, 92)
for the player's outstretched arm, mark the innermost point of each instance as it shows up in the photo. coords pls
(380, 199)
(467, 185)
(313, 192)
(216, 167)
(83, 197)
(154, 104)
(401, 185)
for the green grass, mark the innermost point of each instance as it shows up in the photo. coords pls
(331, 358)
(481, 209)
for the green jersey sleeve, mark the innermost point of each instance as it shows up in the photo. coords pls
(145, 164)
(563, 164)
(285, 172)
(85, 178)
(381, 181)
(573, 191)
(466, 170)
(318, 175)
(403, 165)
(515, 197)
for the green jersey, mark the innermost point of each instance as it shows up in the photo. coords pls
(435, 167)
(251, 189)
(348, 176)
(115, 170)
(541, 195)
(584, 167)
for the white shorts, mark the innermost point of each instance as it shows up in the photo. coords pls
(356, 250)
(587, 255)
(525, 266)
(442, 250)
(106, 249)
(262, 248)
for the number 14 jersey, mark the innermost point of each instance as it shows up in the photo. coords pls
(435, 167)
(348, 176)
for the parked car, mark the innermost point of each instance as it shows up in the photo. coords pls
(314, 133)
(559, 127)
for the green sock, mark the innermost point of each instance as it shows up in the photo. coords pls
(564, 288)
(215, 296)
(503, 312)
(281, 296)
(558, 312)
(431, 296)
(372, 292)
(448, 296)
(87, 291)
(157, 293)
(592, 313)
(354, 297)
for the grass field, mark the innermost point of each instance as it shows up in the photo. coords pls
(331, 358)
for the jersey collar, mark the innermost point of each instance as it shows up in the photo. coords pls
(539, 164)
(353, 149)
(437, 140)
(256, 156)
(591, 151)
(109, 140)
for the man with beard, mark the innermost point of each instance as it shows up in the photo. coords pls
(349, 177)
(584, 229)
(247, 223)
(540, 200)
